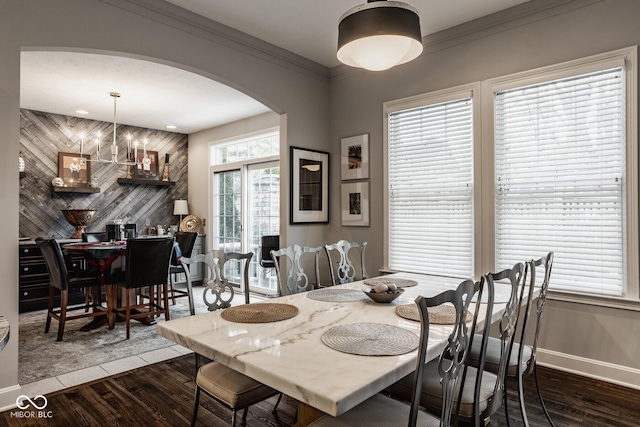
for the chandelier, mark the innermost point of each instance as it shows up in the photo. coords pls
(131, 158)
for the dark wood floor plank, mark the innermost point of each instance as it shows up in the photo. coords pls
(162, 395)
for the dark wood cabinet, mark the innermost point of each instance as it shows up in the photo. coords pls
(34, 280)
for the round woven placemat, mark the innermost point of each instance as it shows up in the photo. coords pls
(444, 314)
(401, 283)
(370, 339)
(337, 295)
(263, 312)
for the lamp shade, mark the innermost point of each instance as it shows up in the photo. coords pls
(379, 35)
(180, 207)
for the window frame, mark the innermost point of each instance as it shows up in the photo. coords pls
(484, 191)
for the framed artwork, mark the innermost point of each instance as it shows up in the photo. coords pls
(355, 204)
(309, 186)
(147, 167)
(354, 157)
(73, 171)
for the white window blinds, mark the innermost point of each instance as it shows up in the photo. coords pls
(430, 175)
(559, 163)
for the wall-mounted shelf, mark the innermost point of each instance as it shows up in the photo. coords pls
(75, 190)
(145, 182)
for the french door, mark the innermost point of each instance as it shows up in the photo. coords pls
(246, 206)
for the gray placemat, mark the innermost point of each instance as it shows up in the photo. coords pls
(401, 283)
(444, 314)
(337, 295)
(370, 339)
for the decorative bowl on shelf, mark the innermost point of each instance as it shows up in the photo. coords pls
(383, 297)
(79, 218)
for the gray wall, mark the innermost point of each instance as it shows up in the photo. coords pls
(289, 85)
(592, 339)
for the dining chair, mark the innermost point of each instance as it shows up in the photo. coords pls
(346, 270)
(61, 280)
(296, 279)
(381, 410)
(147, 266)
(481, 392)
(185, 243)
(522, 359)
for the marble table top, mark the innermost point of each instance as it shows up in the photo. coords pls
(289, 355)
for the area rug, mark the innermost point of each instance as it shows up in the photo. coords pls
(41, 356)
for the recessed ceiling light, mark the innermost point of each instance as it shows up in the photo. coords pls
(171, 126)
(82, 112)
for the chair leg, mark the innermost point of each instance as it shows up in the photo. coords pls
(244, 415)
(523, 409)
(275, 407)
(64, 298)
(173, 295)
(165, 292)
(504, 399)
(52, 299)
(128, 312)
(195, 406)
(233, 418)
(544, 407)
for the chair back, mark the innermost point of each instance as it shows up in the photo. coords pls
(453, 358)
(186, 241)
(296, 279)
(268, 244)
(532, 266)
(148, 261)
(56, 266)
(94, 236)
(346, 271)
(507, 331)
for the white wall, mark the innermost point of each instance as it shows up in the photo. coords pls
(594, 340)
(291, 86)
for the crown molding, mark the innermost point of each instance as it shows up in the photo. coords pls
(176, 17)
(508, 19)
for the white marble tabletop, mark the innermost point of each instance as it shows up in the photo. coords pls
(290, 356)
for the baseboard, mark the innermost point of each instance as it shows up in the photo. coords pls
(596, 369)
(8, 396)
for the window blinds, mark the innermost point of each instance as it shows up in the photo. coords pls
(559, 163)
(430, 167)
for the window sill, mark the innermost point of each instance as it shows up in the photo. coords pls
(619, 303)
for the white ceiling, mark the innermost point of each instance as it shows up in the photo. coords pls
(63, 82)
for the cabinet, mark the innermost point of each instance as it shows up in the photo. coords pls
(196, 270)
(33, 280)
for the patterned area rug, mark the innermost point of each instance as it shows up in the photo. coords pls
(41, 356)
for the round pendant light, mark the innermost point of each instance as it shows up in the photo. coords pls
(379, 35)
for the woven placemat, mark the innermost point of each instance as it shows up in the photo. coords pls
(444, 314)
(337, 295)
(401, 283)
(263, 312)
(370, 339)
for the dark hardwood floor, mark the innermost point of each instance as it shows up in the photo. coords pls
(162, 395)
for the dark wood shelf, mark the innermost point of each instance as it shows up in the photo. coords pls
(145, 182)
(75, 190)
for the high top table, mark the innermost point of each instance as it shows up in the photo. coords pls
(290, 356)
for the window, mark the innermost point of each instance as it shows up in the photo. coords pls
(559, 168)
(553, 169)
(430, 182)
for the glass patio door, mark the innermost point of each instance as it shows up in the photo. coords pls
(246, 206)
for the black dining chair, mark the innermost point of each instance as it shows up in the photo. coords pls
(147, 266)
(186, 241)
(62, 279)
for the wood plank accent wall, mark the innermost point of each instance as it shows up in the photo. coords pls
(43, 135)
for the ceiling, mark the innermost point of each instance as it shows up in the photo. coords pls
(64, 82)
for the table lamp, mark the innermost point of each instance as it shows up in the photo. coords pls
(180, 207)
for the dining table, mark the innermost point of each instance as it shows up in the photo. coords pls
(307, 357)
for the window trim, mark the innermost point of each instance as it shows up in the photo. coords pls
(484, 207)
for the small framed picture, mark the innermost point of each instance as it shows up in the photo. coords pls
(354, 157)
(355, 204)
(147, 167)
(74, 170)
(310, 186)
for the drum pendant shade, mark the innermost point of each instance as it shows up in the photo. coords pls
(379, 35)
